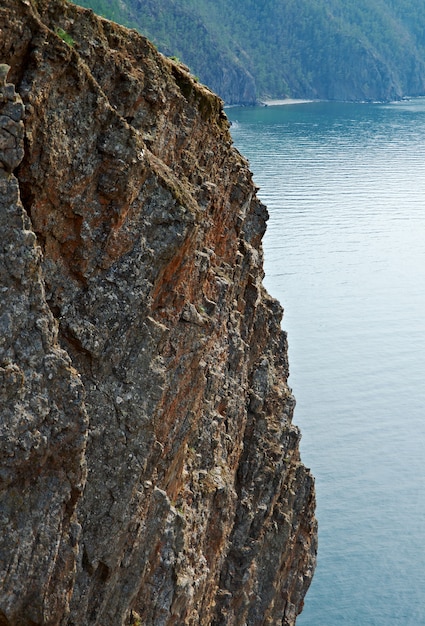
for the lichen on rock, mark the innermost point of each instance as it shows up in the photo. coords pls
(149, 461)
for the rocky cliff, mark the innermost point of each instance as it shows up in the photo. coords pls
(150, 473)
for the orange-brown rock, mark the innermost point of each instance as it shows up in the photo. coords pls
(152, 471)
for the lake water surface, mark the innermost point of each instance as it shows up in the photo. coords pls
(345, 255)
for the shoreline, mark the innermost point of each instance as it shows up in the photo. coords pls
(293, 101)
(284, 101)
(272, 102)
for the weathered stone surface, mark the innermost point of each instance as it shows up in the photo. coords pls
(196, 508)
(11, 125)
(43, 420)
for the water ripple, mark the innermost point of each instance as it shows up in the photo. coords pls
(345, 254)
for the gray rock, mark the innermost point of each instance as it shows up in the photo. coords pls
(4, 71)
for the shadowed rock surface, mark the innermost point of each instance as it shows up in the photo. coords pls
(149, 466)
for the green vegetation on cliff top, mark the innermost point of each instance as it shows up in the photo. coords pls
(330, 49)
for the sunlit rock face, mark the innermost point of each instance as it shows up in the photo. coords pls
(150, 471)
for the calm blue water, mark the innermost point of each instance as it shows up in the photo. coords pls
(345, 255)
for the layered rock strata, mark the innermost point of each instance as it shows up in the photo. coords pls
(150, 471)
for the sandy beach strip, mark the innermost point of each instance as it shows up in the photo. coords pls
(271, 103)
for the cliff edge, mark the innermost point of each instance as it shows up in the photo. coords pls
(150, 472)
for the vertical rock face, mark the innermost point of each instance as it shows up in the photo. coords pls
(150, 471)
(43, 420)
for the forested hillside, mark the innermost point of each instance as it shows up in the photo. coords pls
(245, 51)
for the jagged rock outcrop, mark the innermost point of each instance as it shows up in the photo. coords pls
(150, 471)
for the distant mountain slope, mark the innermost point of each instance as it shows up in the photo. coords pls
(330, 49)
